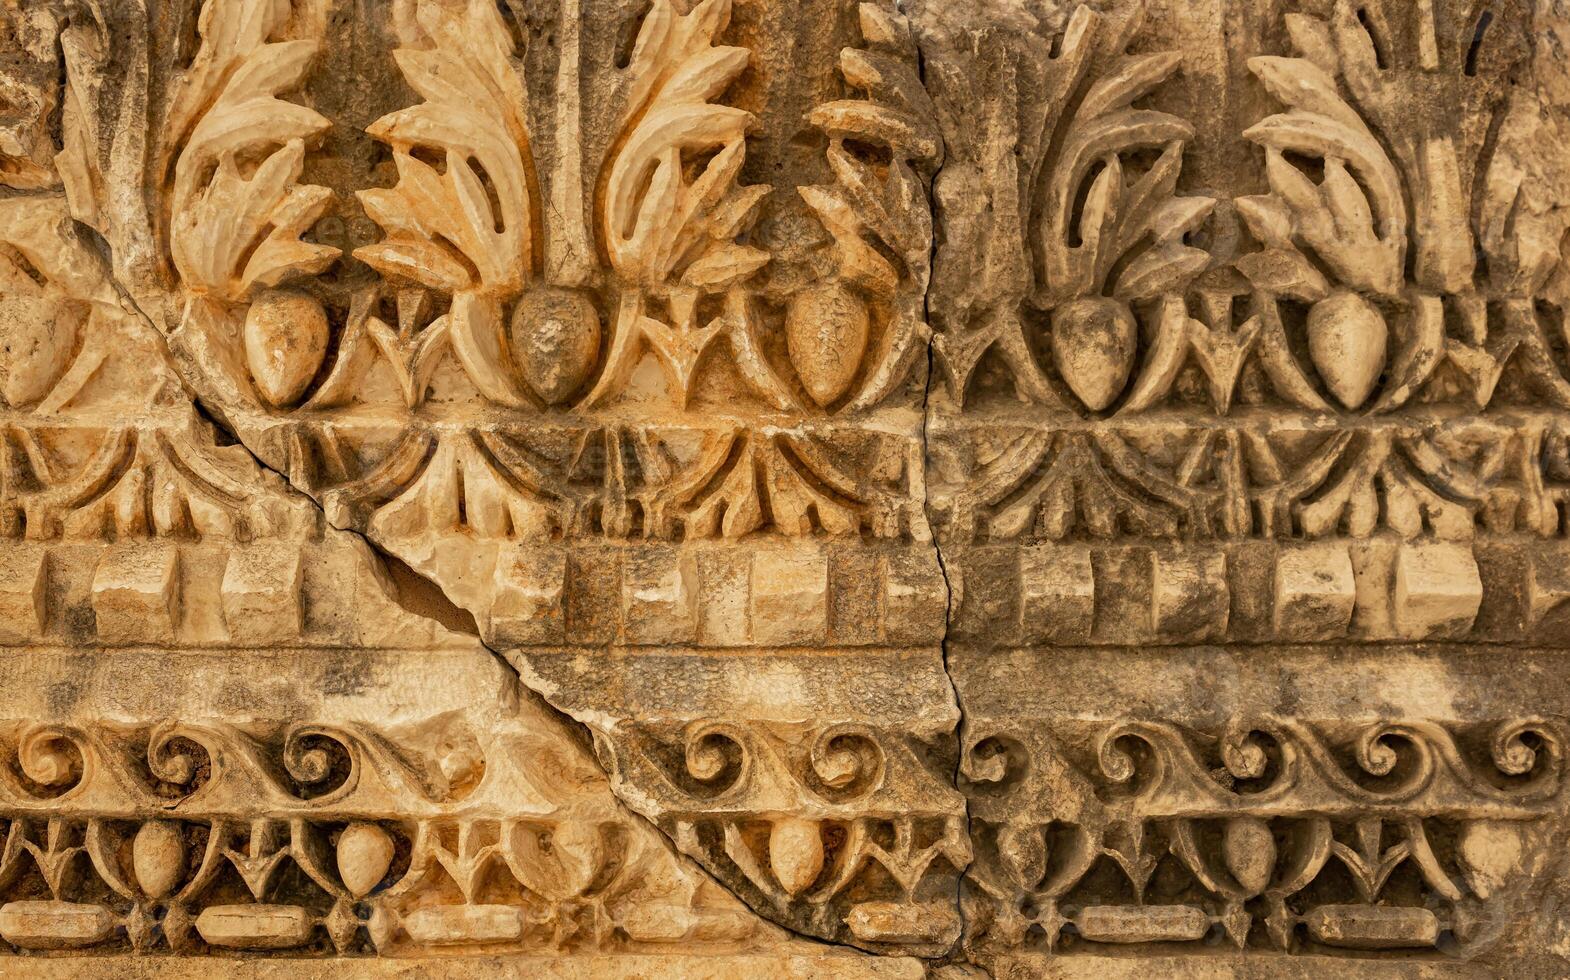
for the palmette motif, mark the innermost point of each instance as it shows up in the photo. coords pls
(548, 320)
(234, 234)
(1318, 335)
(1240, 846)
(1340, 366)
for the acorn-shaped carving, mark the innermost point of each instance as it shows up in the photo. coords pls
(1250, 852)
(1346, 342)
(795, 853)
(826, 331)
(1024, 853)
(158, 857)
(555, 339)
(1093, 343)
(37, 338)
(365, 852)
(1489, 853)
(285, 340)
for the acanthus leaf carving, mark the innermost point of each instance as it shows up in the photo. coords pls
(669, 230)
(1091, 218)
(232, 153)
(54, 326)
(468, 228)
(1235, 428)
(829, 326)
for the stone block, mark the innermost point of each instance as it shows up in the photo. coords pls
(527, 596)
(915, 604)
(722, 604)
(1315, 592)
(136, 595)
(1057, 594)
(1189, 597)
(261, 594)
(24, 580)
(790, 601)
(659, 597)
(1437, 591)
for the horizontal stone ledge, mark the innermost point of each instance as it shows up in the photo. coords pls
(782, 966)
(1460, 684)
(1336, 590)
(1225, 966)
(1014, 417)
(890, 420)
(266, 686)
(903, 689)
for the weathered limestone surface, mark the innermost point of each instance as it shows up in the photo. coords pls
(710, 488)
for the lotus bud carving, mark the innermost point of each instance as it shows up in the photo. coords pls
(555, 337)
(38, 335)
(1093, 342)
(158, 857)
(795, 852)
(1346, 342)
(365, 852)
(1489, 853)
(1023, 850)
(826, 330)
(285, 340)
(1250, 851)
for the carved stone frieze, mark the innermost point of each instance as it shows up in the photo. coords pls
(1406, 828)
(234, 731)
(823, 797)
(334, 836)
(560, 331)
(823, 488)
(1352, 368)
(585, 348)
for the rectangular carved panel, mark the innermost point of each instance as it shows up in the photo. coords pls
(720, 487)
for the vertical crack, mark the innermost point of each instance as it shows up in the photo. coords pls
(958, 954)
(959, 702)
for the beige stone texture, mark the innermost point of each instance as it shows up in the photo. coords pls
(802, 488)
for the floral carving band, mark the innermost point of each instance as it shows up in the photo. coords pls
(708, 488)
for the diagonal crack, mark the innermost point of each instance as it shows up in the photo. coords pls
(421, 595)
(417, 593)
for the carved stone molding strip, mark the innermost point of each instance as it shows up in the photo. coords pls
(821, 796)
(325, 803)
(665, 966)
(1368, 590)
(1296, 808)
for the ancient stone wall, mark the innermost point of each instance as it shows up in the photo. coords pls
(799, 488)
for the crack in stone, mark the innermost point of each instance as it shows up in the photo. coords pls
(432, 602)
(423, 596)
(959, 702)
(957, 953)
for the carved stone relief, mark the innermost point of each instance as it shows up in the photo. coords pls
(728, 487)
